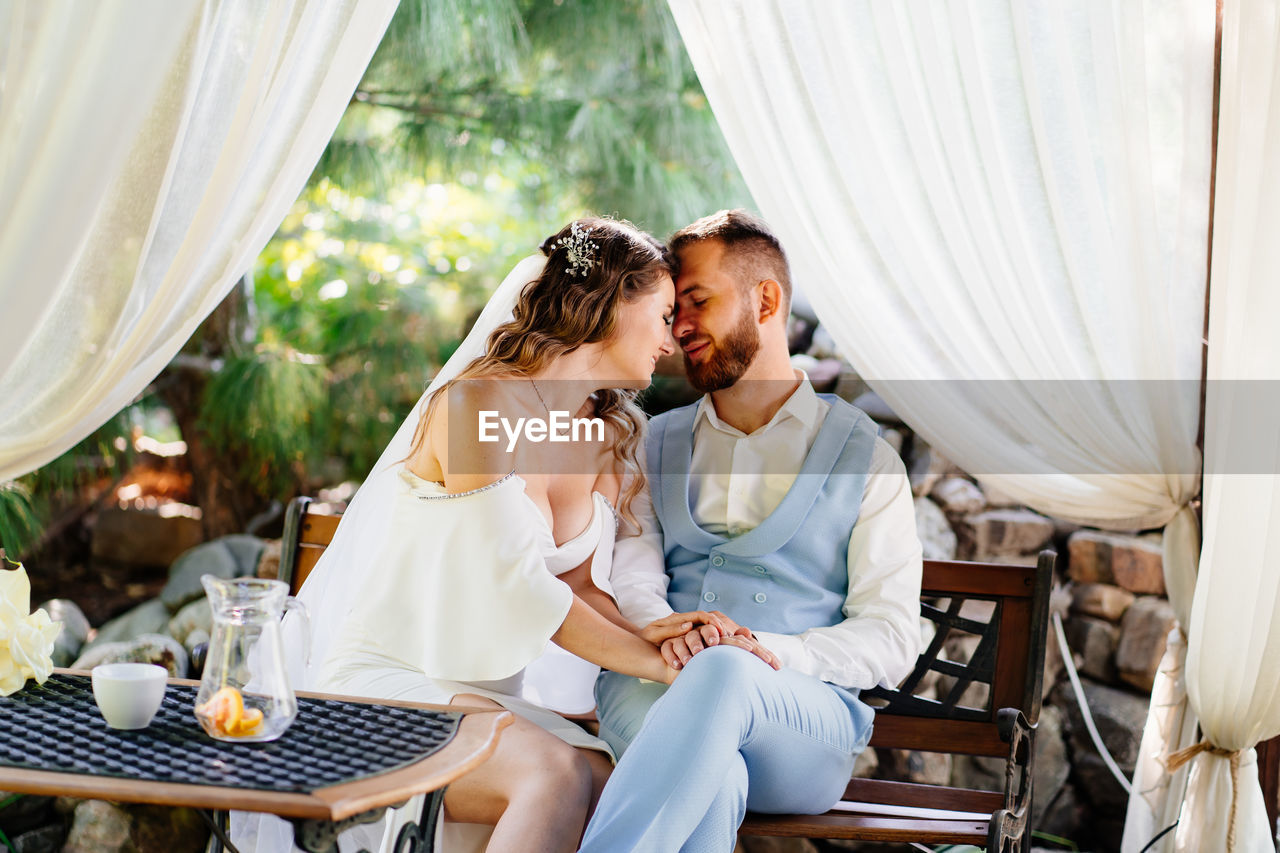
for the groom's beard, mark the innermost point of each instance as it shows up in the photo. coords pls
(728, 358)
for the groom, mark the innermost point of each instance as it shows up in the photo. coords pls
(797, 523)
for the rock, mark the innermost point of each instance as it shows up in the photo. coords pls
(1053, 764)
(1054, 667)
(996, 499)
(960, 648)
(1012, 559)
(146, 537)
(1002, 532)
(1059, 815)
(1101, 600)
(162, 829)
(875, 406)
(1143, 634)
(1095, 640)
(1135, 563)
(26, 813)
(926, 467)
(148, 648)
(958, 496)
(269, 561)
(894, 438)
(66, 611)
(44, 839)
(865, 765)
(849, 385)
(102, 827)
(909, 765)
(195, 618)
(1120, 717)
(227, 557)
(75, 629)
(936, 537)
(98, 827)
(981, 772)
(150, 617)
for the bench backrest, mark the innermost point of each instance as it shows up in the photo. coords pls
(1005, 609)
(306, 534)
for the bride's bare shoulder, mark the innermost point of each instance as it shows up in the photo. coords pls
(455, 448)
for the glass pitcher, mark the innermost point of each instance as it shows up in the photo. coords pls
(245, 693)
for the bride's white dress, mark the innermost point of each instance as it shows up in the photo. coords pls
(460, 597)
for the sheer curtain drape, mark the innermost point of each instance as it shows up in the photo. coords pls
(1000, 211)
(1233, 663)
(148, 150)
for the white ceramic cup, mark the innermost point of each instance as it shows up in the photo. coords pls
(129, 694)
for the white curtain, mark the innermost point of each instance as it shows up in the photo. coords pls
(148, 150)
(1233, 663)
(1000, 211)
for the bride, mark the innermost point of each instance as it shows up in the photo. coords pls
(476, 539)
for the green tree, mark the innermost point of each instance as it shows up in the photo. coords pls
(480, 126)
(601, 95)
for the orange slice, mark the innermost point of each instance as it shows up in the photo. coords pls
(226, 715)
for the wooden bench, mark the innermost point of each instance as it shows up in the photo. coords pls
(1005, 608)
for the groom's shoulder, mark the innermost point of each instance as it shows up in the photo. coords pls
(659, 422)
(860, 417)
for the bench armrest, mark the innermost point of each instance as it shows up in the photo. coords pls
(1011, 826)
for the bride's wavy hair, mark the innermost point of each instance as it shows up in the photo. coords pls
(566, 307)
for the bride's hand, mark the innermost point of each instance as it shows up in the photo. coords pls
(660, 630)
(712, 626)
(678, 651)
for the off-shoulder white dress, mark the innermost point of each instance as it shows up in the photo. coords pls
(465, 600)
(462, 597)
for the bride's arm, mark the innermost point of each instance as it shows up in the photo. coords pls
(589, 635)
(580, 581)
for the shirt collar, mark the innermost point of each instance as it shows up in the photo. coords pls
(801, 405)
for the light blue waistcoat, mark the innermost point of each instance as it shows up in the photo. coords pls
(788, 574)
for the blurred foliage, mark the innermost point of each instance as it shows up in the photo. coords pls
(480, 127)
(377, 294)
(600, 93)
(19, 524)
(30, 503)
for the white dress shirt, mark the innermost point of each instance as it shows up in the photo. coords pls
(748, 475)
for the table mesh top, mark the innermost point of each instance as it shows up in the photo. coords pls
(57, 726)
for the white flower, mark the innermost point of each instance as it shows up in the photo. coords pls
(26, 639)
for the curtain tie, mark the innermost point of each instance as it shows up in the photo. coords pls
(1182, 756)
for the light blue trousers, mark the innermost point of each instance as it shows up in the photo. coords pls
(730, 734)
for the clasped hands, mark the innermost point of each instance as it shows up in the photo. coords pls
(680, 636)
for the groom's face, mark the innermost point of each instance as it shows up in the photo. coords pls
(715, 324)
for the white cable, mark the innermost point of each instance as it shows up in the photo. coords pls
(1084, 706)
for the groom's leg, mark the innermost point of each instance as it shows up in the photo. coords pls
(622, 702)
(795, 735)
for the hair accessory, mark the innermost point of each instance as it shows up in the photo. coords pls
(579, 248)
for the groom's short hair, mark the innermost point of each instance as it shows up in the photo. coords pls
(753, 250)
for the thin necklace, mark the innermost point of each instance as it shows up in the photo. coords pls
(539, 393)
